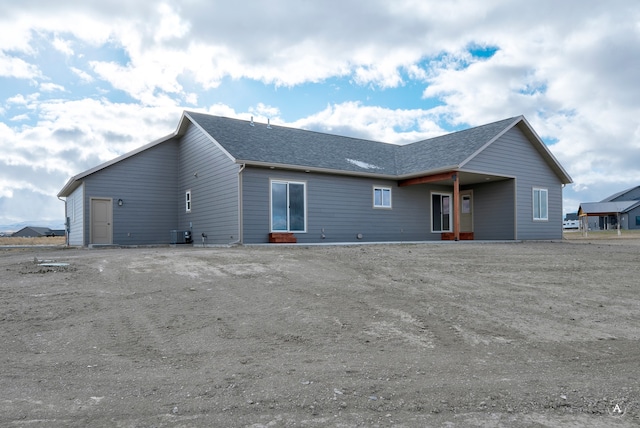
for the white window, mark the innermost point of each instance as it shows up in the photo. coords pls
(441, 212)
(187, 201)
(540, 204)
(288, 206)
(382, 197)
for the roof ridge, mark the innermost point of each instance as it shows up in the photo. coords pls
(472, 128)
(286, 127)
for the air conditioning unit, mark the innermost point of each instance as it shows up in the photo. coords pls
(177, 237)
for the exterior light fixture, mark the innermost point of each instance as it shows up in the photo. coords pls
(120, 202)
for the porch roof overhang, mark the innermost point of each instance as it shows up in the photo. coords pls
(603, 209)
(447, 177)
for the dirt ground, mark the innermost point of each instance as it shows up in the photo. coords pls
(448, 335)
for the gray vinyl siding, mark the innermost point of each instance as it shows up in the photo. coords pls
(146, 182)
(513, 155)
(631, 218)
(212, 177)
(340, 207)
(75, 212)
(493, 206)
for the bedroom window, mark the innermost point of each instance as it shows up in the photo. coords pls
(382, 197)
(540, 204)
(288, 206)
(187, 201)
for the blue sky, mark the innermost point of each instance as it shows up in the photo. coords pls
(81, 83)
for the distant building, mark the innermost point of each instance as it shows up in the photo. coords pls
(571, 221)
(622, 208)
(35, 232)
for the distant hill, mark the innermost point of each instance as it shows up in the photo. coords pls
(10, 228)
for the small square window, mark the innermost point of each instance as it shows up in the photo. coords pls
(187, 201)
(382, 197)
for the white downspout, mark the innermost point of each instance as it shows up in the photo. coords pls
(240, 230)
(66, 226)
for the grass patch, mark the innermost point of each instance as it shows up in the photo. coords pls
(594, 235)
(44, 240)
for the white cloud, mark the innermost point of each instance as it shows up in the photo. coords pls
(63, 46)
(51, 87)
(20, 99)
(570, 67)
(374, 123)
(264, 112)
(72, 136)
(83, 75)
(171, 25)
(17, 67)
(19, 118)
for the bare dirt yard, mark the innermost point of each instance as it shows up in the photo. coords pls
(448, 335)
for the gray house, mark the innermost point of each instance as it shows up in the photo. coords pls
(35, 232)
(225, 181)
(618, 211)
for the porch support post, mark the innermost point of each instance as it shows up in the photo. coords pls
(456, 207)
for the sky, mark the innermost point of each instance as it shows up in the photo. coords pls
(84, 82)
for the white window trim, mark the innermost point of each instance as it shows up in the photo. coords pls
(188, 201)
(304, 184)
(533, 202)
(450, 195)
(382, 206)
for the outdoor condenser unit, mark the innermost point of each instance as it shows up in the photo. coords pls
(180, 237)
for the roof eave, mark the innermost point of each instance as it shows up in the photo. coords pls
(428, 172)
(304, 168)
(71, 185)
(309, 169)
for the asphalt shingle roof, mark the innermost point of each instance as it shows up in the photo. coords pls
(283, 146)
(617, 195)
(607, 207)
(38, 230)
(290, 146)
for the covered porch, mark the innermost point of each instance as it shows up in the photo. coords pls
(611, 215)
(469, 206)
